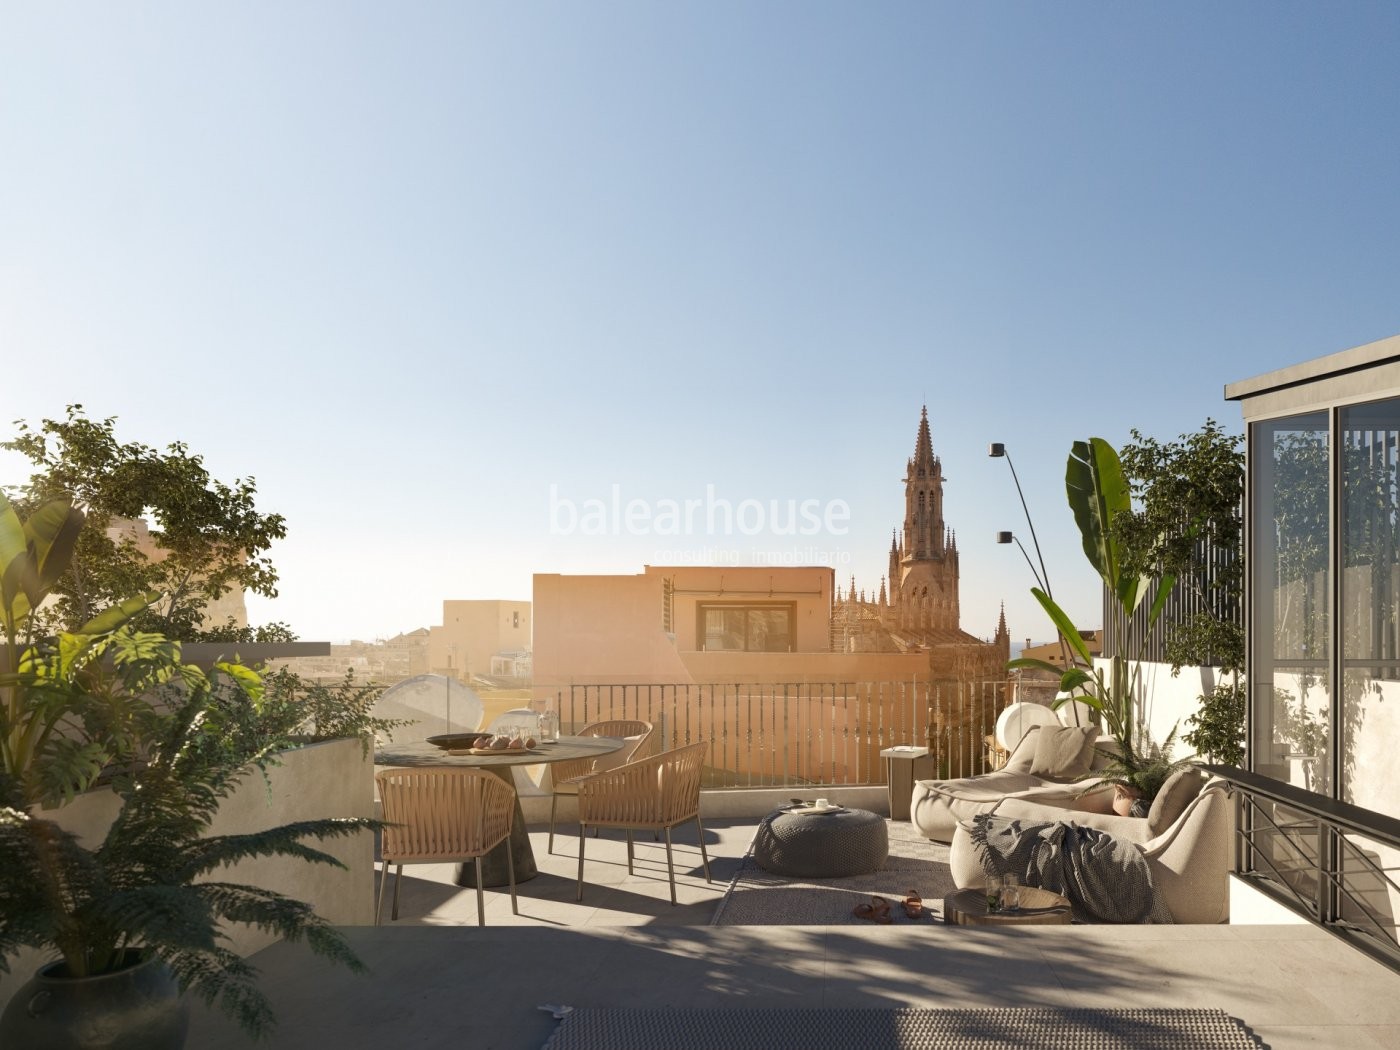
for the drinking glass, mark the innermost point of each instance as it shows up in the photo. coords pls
(994, 891)
(1010, 893)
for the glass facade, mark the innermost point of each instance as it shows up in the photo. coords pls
(1369, 632)
(1323, 631)
(1325, 602)
(1289, 620)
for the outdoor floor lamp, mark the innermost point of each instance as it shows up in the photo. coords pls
(1007, 537)
(998, 451)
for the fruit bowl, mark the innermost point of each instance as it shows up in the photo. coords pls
(452, 741)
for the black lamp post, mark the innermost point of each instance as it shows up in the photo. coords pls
(998, 451)
(1006, 537)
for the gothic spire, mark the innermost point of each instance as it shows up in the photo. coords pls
(923, 445)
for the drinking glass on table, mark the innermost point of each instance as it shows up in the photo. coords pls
(1010, 892)
(995, 885)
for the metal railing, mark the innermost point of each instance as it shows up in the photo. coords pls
(768, 735)
(1321, 858)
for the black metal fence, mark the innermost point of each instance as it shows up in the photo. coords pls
(1200, 594)
(1331, 862)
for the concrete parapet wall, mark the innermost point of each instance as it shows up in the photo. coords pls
(329, 779)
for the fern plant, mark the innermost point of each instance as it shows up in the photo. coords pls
(1141, 769)
(172, 741)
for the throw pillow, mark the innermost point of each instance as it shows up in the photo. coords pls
(1171, 801)
(1063, 752)
(1023, 754)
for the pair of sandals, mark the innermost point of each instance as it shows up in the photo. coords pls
(878, 910)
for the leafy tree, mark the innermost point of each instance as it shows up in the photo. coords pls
(213, 536)
(1188, 523)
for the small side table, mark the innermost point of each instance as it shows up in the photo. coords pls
(1038, 908)
(904, 765)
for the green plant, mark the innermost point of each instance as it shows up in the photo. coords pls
(212, 536)
(60, 721)
(311, 711)
(1098, 494)
(1142, 774)
(1189, 522)
(1218, 724)
(172, 741)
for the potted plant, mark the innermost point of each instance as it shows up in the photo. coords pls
(1098, 492)
(135, 918)
(1138, 776)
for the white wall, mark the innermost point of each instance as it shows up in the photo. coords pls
(330, 779)
(1163, 700)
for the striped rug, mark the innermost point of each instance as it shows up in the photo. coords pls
(1023, 1028)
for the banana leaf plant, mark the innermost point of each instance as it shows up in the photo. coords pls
(1098, 492)
(61, 721)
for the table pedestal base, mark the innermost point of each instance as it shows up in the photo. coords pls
(494, 870)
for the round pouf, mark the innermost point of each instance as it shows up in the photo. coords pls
(822, 845)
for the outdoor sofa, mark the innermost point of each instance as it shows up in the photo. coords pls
(1185, 838)
(1050, 765)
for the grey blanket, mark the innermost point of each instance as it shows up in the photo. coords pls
(1105, 878)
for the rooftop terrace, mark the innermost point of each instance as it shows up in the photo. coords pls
(437, 979)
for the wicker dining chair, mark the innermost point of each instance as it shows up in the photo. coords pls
(566, 774)
(439, 815)
(653, 793)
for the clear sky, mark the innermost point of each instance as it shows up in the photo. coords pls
(418, 266)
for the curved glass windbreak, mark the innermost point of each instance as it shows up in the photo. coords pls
(1290, 614)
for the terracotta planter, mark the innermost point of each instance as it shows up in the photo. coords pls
(1124, 799)
(136, 1008)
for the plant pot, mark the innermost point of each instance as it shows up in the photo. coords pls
(1124, 799)
(138, 1007)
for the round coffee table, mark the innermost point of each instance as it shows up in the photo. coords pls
(828, 844)
(1038, 908)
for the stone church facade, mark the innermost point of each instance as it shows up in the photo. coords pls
(916, 608)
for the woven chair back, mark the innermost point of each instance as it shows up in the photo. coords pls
(614, 727)
(443, 813)
(659, 791)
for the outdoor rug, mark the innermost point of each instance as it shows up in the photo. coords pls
(760, 898)
(1024, 1028)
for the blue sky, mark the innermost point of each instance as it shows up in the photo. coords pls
(410, 265)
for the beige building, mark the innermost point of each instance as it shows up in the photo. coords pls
(711, 624)
(474, 633)
(1041, 686)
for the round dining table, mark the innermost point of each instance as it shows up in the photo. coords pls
(494, 870)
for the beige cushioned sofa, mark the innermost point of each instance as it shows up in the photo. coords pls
(1050, 765)
(1186, 840)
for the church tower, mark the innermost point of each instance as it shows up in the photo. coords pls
(925, 586)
